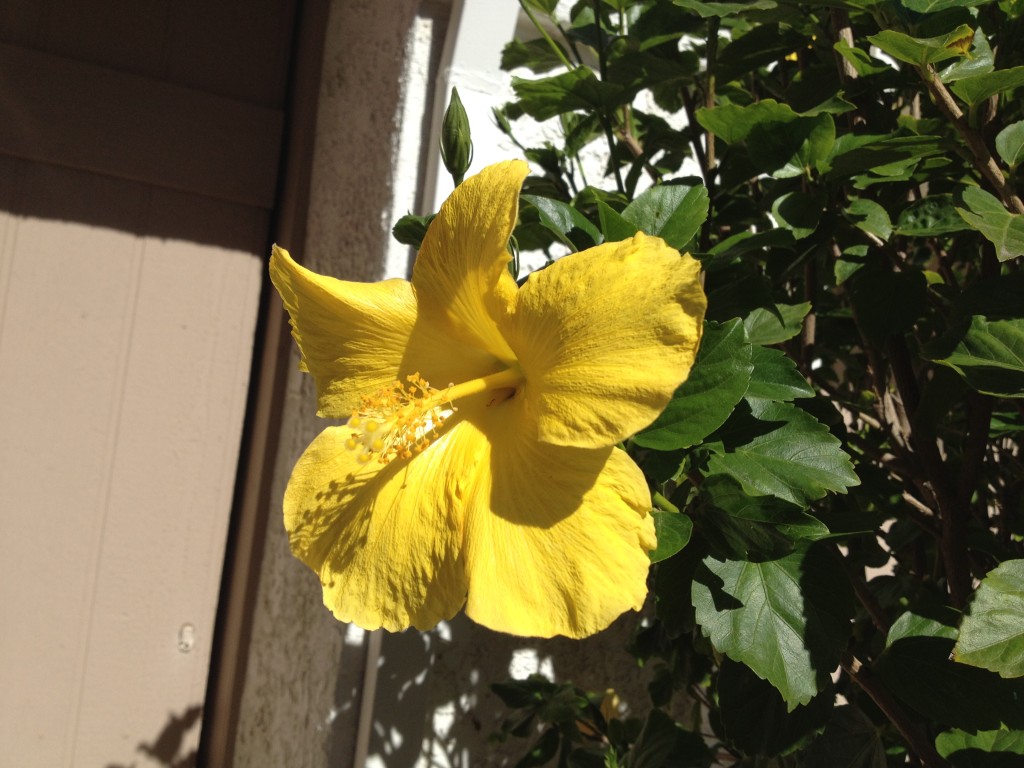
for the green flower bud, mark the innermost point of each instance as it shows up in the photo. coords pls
(456, 142)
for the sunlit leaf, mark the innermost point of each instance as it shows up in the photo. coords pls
(987, 215)
(613, 225)
(765, 326)
(673, 212)
(870, 217)
(984, 749)
(775, 377)
(708, 9)
(1010, 144)
(787, 619)
(934, 6)
(934, 215)
(704, 401)
(923, 51)
(577, 89)
(777, 449)
(975, 90)
(992, 630)
(673, 530)
(568, 224)
(989, 355)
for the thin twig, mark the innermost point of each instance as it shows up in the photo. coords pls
(911, 733)
(982, 158)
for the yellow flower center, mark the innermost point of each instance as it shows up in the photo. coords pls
(405, 417)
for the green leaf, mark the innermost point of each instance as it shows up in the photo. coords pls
(704, 401)
(862, 62)
(656, 742)
(786, 619)
(910, 624)
(975, 90)
(787, 149)
(775, 377)
(732, 123)
(777, 449)
(673, 530)
(764, 326)
(536, 55)
(411, 229)
(613, 226)
(934, 6)
(673, 212)
(919, 671)
(571, 226)
(852, 154)
(886, 302)
(542, 751)
(992, 630)
(850, 740)
(755, 716)
(870, 217)
(799, 212)
(984, 749)
(708, 9)
(980, 61)
(987, 215)
(577, 89)
(1010, 144)
(934, 215)
(753, 527)
(923, 51)
(989, 355)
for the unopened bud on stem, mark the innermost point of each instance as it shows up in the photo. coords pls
(456, 142)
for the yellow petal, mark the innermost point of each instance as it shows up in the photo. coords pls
(461, 271)
(357, 338)
(605, 336)
(558, 541)
(386, 541)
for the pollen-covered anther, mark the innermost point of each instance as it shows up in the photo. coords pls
(398, 421)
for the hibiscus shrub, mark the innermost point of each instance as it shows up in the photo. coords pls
(839, 576)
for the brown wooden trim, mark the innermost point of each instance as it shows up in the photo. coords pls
(270, 367)
(61, 111)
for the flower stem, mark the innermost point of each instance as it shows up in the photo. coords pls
(662, 503)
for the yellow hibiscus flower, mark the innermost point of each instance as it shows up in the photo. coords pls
(478, 465)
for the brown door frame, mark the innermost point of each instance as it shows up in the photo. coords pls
(251, 505)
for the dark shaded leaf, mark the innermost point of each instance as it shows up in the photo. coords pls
(756, 718)
(850, 740)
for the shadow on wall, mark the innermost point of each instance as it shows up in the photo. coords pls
(168, 749)
(434, 707)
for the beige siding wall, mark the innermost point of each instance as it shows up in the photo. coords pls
(138, 155)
